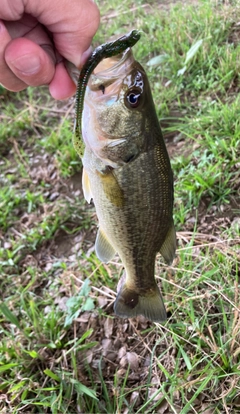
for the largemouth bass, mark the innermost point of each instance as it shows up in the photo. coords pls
(127, 173)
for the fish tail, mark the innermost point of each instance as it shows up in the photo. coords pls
(149, 303)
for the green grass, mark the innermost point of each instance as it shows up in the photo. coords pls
(62, 350)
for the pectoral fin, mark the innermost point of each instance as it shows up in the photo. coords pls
(86, 186)
(168, 247)
(112, 188)
(104, 250)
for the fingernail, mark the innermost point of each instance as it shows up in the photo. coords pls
(27, 64)
(85, 55)
(51, 53)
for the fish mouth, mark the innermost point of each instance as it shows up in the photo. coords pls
(111, 69)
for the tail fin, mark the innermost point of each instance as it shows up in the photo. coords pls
(150, 304)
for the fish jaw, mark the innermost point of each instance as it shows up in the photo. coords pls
(96, 140)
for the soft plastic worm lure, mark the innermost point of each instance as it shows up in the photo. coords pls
(101, 52)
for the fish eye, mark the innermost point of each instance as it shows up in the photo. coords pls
(133, 98)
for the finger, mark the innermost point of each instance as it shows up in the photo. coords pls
(7, 78)
(29, 62)
(61, 86)
(72, 27)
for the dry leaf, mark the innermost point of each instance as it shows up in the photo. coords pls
(132, 359)
(108, 327)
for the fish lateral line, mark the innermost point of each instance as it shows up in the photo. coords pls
(103, 51)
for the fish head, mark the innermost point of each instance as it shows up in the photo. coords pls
(115, 110)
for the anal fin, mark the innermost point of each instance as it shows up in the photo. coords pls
(104, 250)
(169, 245)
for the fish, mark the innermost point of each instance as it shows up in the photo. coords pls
(126, 172)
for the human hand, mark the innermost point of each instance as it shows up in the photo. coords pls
(35, 38)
